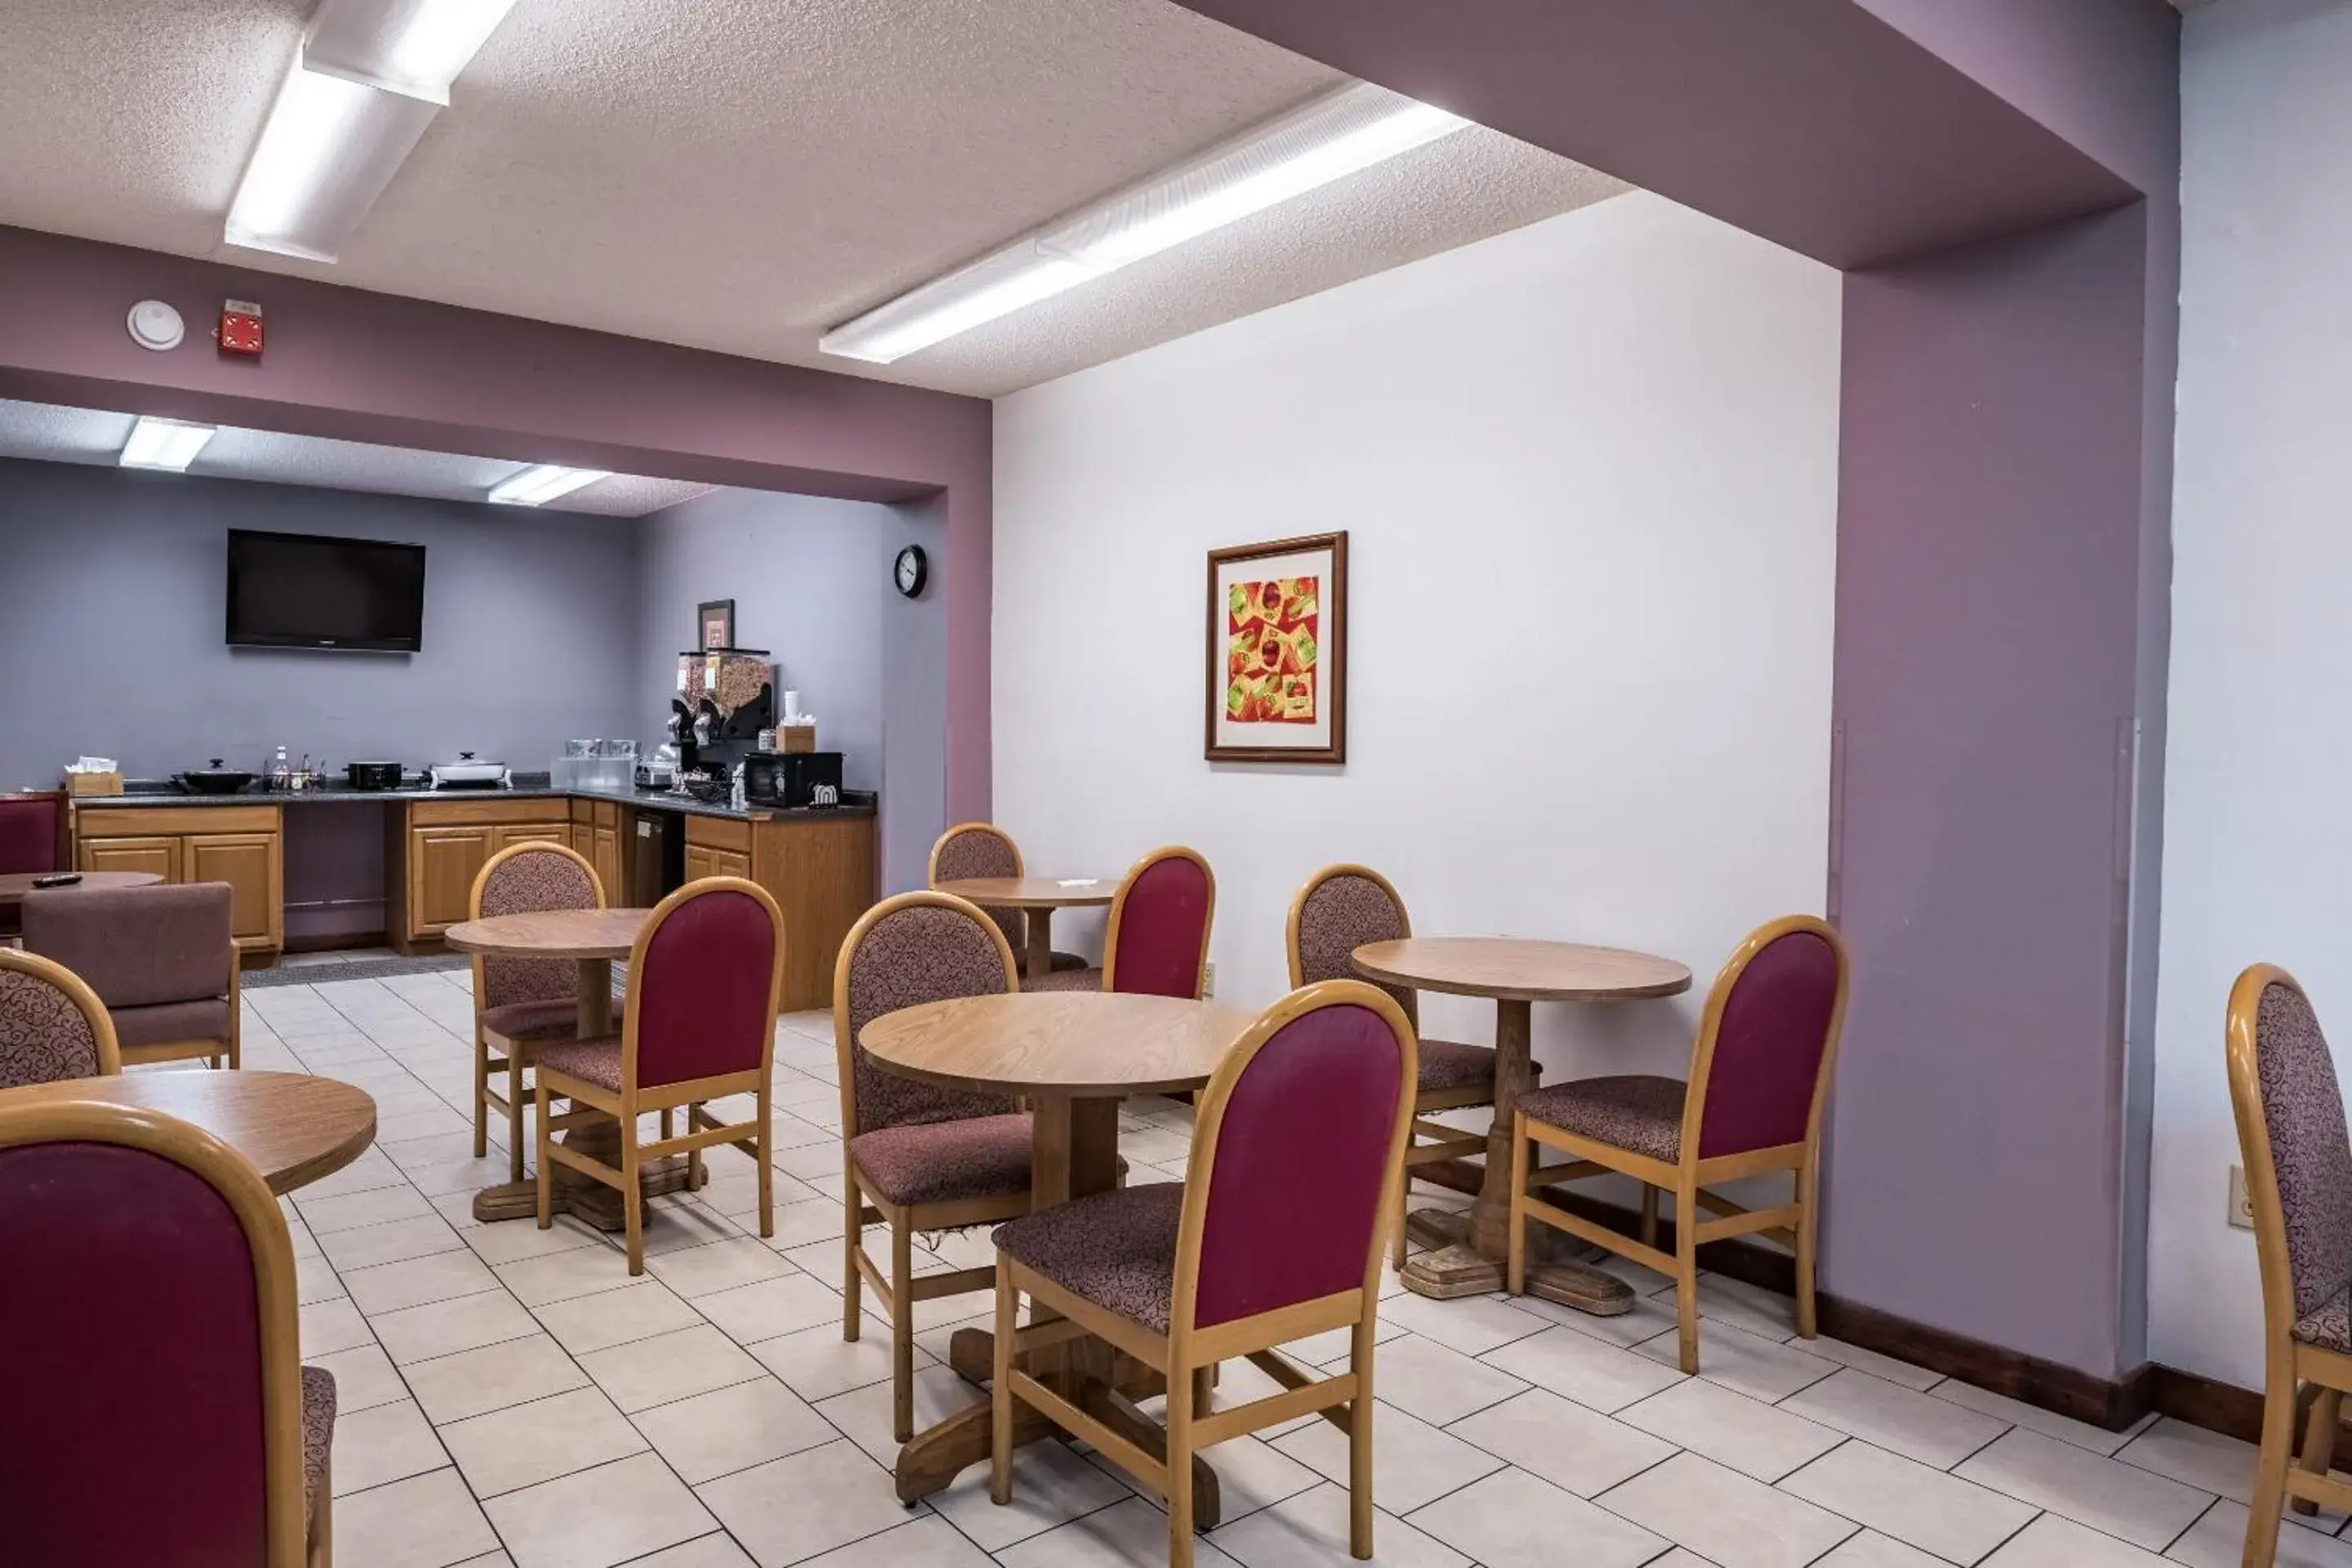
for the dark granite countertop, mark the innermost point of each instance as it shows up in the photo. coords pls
(162, 792)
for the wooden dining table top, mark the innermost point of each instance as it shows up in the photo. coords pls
(551, 933)
(1034, 892)
(1521, 969)
(15, 885)
(294, 1127)
(1082, 1044)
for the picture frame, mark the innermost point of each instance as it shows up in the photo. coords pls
(714, 624)
(1276, 672)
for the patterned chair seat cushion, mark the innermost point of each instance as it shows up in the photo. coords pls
(947, 1161)
(553, 1019)
(171, 1023)
(1637, 1113)
(1450, 1065)
(591, 1061)
(317, 1433)
(1065, 980)
(2330, 1326)
(1116, 1249)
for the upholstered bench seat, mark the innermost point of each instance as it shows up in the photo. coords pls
(1450, 1065)
(1116, 1249)
(1065, 980)
(553, 1018)
(947, 1161)
(1637, 1111)
(596, 1061)
(317, 1433)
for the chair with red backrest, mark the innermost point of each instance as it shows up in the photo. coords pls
(1157, 942)
(163, 1325)
(983, 849)
(52, 1027)
(163, 959)
(521, 1003)
(1759, 1076)
(919, 1158)
(33, 832)
(1275, 1233)
(705, 977)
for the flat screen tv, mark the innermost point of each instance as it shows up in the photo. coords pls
(304, 590)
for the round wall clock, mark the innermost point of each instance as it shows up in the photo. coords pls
(911, 571)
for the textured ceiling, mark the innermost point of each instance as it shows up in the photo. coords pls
(88, 435)
(742, 176)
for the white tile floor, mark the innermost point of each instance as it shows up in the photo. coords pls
(509, 1396)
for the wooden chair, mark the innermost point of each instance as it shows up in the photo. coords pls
(35, 837)
(152, 1309)
(52, 1025)
(2298, 1160)
(163, 959)
(984, 850)
(920, 1159)
(1158, 941)
(1339, 910)
(1759, 1076)
(1274, 1234)
(522, 1003)
(705, 977)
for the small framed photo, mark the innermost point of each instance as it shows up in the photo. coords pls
(1277, 654)
(714, 624)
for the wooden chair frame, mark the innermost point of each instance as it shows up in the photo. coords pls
(900, 1290)
(591, 1102)
(1442, 1143)
(1794, 1224)
(93, 1011)
(931, 870)
(1186, 1356)
(517, 1052)
(1119, 911)
(2280, 1475)
(292, 1543)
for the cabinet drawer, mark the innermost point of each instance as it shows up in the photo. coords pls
(467, 813)
(718, 832)
(151, 822)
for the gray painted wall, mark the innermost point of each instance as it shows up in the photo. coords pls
(111, 586)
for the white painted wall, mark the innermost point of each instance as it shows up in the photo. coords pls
(1588, 470)
(2258, 771)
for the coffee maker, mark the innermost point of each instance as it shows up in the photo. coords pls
(725, 698)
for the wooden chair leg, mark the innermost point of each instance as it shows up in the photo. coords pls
(633, 1195)
(852, 1281)
(1403, 1207)
(1178, 1417)
(1649, 1215)
(322, 1553)
(482, 1095)
(514, 1111)
(1360, 1444)
(2319, 1441)
(1686, 1273)
(902, 1331)
(1000, 1398)
(2271, 1464)
(546, 1165)
(1515, 1268)
(693, 1177)
(767, 1170)
(1808, 1241)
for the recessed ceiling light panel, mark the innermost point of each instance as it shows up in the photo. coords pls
(544, 482)
(170, 444)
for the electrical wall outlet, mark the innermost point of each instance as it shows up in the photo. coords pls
(2241, 1203)
(1209, 979)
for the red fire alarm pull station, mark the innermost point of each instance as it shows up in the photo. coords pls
(240, 328)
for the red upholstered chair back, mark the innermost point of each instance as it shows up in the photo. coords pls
(149, 1316)
(525, 879)
(1768, 1038)
(703, 979)
(907, 950)
(32, 832)
(52, 1025)
(139, 947)
(1157, 943)
(1300, 1133)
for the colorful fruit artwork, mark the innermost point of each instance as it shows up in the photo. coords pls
(1271, 652)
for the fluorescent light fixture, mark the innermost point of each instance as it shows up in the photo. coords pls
(171, 444)
(542, 483)
(1334, 136)
(369, 77)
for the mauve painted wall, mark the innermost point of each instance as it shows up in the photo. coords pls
(112, 629)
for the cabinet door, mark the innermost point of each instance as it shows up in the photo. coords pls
(159, 856)
(729, 863)
(247, 862)
(698, 862)
(532, 833)
(442, 865)
(603, 852)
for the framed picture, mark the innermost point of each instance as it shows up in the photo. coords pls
(714, 623)
(1277, 656)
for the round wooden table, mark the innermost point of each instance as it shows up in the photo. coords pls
(294, 1127)
(1037, 897)
(1074, 1055)
(1466, 1256)
(593, 938)
(15, 885)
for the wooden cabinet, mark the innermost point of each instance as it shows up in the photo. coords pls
(442, 865)
(242, 846)
(596, 836)
(717, 846)
(439, 848)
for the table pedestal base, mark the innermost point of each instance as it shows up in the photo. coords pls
(1092, 1376)
(591, 1200)
(1452, 1268)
